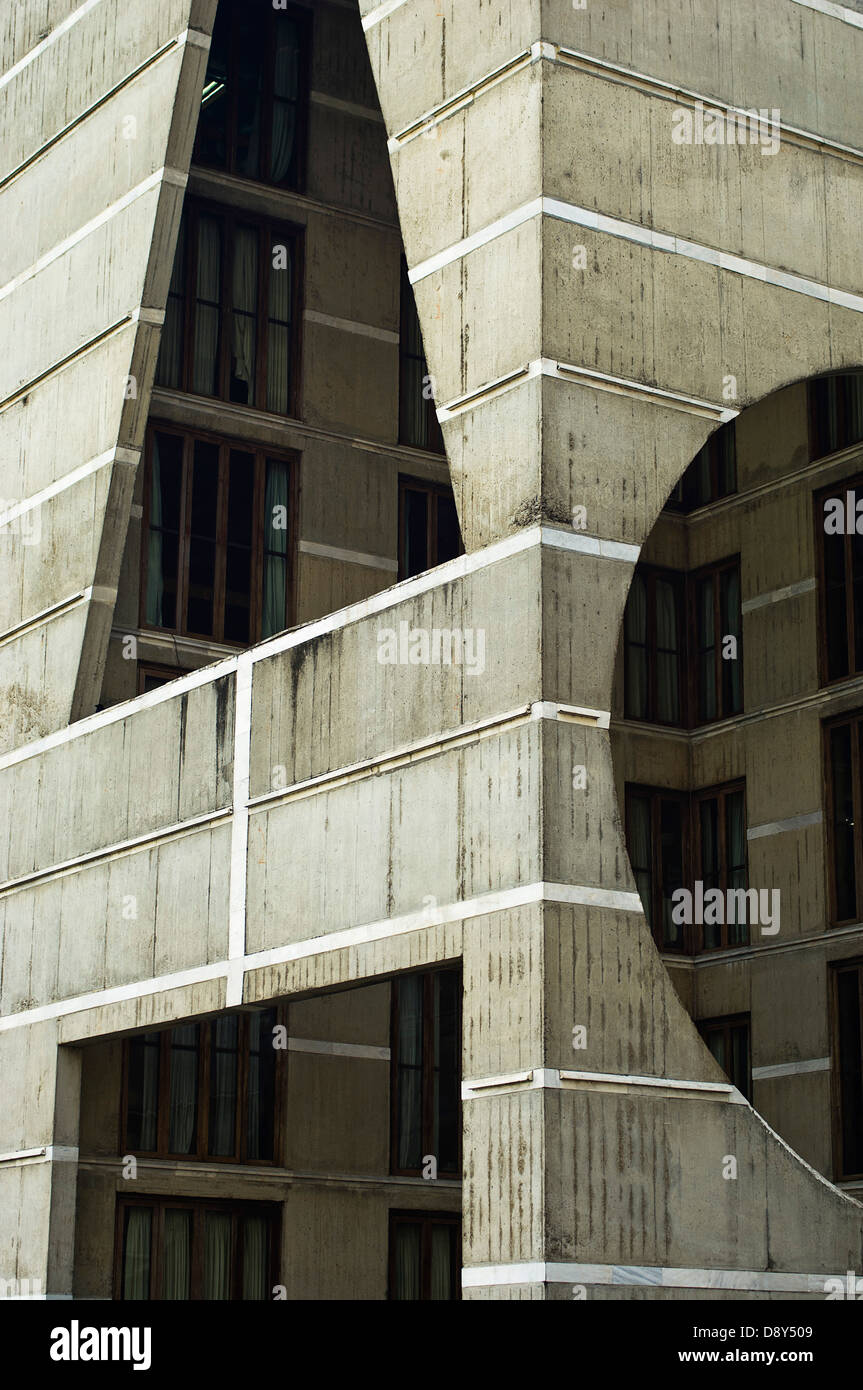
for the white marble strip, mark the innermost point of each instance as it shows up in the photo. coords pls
(68, 243)
(337, 1049)
(779, 827)
(364, 330)
(661, 1276)
(642, 236)
(551, 1078)
(37, 499)
(791, 1069)
(350, 557)
(450, 913)
(383, 11)
(827, 7)
(50, 1153)
(63, 28)
(239, 830)
(803, 586)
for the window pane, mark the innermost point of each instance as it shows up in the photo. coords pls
(730, 617)
(844, 873)
(182, 1127)
(409, 1060)
(416, 558)
(739, 1069)
(205, 380)
(671, 852)
(286, 90)
(667, 652)
(640, 852)
(274, 617)
(447, 1045)
(211, 146)
(164, 535)
(202, 539)
(224, 1057)
(238, 578)
(279, 330)
(448, 531)
(255, 1231)
(835, 604)
(261, 1086)
(245, 323)
(217, 1255)
(850, 1071)
(143, 1093)
(716, 1042)
(408, 1261)
(710, 869)
(177, 1255)
(706, 640)
(442, 1262)
(136, 1252)
(635, 654)
(249, 53)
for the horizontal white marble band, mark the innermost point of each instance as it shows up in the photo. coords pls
(486, 904)
(350, 557)
(383, 11)
(570, 714)
(68, 243)
(803, 586)
(586, 376)
(659, 1276)
(46, 615)
(551, 1078)
(364, 330)
(62, 28)
(336, 1049)
(118, 454)
(48, 1153)
(813, 1064)
(834, 11)
(559, 539)
(779, 827)
(616, 227)
(239, 830)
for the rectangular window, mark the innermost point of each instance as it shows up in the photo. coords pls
(425, 1256)
(654, 647)
(180, 1249)
(426, 1073)
(217, 555)
(429, 533)
(418, 422)
(232, 318)
(711, 475)
(840, 565)
(675, 839)
(728, 1040)
(848, 1070)
(204, 1090)
(842, 752)
(835, 413)
(254, 106)
(717, 632)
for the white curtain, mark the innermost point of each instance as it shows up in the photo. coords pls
(136, 1253)
(441, 1262)
(217, 1255)
(208, 291)
(274, 617)
(279, 338)
(408, 1262)
(635, 628)
(223, 1087)
(183, 1089)
(176, 1268)
(245, 302)
(255, 1258)
(668, 685)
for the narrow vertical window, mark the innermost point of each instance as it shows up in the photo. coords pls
(163, 530)
(224, 1057)
(425, 1257)
(845, 759)
(183, 1103)
(426, 1072)
(722, 864)
(137, 1242)
(848, 1071)
(276, 519)
(718, 632)
(143, 1093)
(429, 532)
(418, 422)
(728, 1041)
(654, 647)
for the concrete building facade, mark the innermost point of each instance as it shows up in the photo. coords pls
(431, 735)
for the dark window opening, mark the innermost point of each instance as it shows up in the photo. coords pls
(426, 1073)
(844, 769)
(418, 422)
(712, 474)
(178, 1249)
(429, 532)
(835, 413)
(728, 1041)
(848, 1071)
(425, 1256)
(840, 565)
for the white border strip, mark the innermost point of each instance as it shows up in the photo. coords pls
(779, 827)
(791, 1069)
(239, 830)
(363, 330)
(335, 1049)
(119, 454)
(63, 28)
(803, 586)
(553, 1079)
(382, 12)
(642, 236)
(351, 557)
(660, 1276)
(833, 11)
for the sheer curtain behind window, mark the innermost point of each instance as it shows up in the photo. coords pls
(274, 613)
(183, 1089)
(285, 95)
(667, 677)
(255, 1258)
(407, 1262)
(206, 351)
(245, 301)
(441, 1262)
(410, 1039)
(217, 1255)
(635, 626)
(136, 1253)
(177, 1263)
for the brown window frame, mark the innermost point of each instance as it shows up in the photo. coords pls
(163, 1108)
(688, 500)
(408, 319)
(853, 965)
(837, 489)
(198, 1207)
(724, 1024)
(434, 492)
(819, 445)
(854, 720)
(261, 453)
(163, 673)
(690, 803)
(426, 1220)
(652, 574)
(304, 19)
(713, 571)
(271, 232)
(427, 1086)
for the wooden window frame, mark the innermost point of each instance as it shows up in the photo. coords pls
(688, 502)
(271, 232)
(713, 571)
(854, 719)
(652, 574)
(198, 1206)
(408, 310)
(690, 802)
(427, 1143)
(434, 492)
(836, 968)
(818, 445)
(164, 673)
(724, 1024)
(426, 1220)
(837, 489)
(304, 19)
(261, 453)
(163, 1108)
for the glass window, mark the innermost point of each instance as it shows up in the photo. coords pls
(718, 627)
(835, 413)
(425, 1256)
(178, 1249)
(848, 1068)
(429, 532)
(654, 647)
(728, 1040)
(843, 753)
(426, 1072)
(418, 422)
(712, 474)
